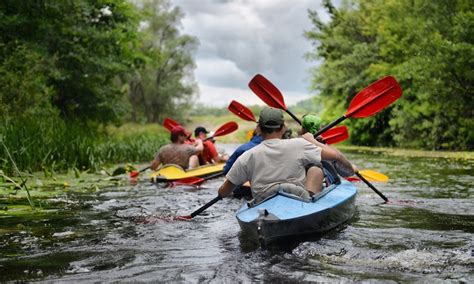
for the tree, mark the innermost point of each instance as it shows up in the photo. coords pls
(87, 48)
(166, 84)
(425, 44)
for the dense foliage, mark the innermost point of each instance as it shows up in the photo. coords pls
(166, 85)
(73, 52)
(76, 65)
(426, 45)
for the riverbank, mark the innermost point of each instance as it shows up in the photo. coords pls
(399, 152)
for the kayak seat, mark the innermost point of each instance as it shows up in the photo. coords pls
(286, 189)
(312, 199)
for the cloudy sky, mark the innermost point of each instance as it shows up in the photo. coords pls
(240, 38)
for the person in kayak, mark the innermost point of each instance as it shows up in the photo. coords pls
(291, 165)
(242, 190)
(311, 124)
(209, 154)
(178, 152)
(254, 141)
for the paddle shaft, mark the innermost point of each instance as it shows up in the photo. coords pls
(134, 174)
(197, 180)
(144, 169)
(293, 116)
(330, 125)
(207, 205)
(213, 176)
(371, 186)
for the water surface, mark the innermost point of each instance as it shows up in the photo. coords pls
(425, 233)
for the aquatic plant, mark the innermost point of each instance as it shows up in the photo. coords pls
(23, 181)
(51, 144)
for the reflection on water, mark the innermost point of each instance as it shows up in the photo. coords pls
(424, 233)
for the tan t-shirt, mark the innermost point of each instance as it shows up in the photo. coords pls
(176, 154)
(275, 161)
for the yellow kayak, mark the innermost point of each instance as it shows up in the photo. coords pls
(173, 172)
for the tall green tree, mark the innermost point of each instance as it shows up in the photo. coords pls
(426, 45)
(166, 85)
(75, 55)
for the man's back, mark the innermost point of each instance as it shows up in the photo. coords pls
(240, 150)
(275, 161)
(176, 154)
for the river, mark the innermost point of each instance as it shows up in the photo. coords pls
(425, 233)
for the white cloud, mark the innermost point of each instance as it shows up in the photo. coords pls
(240, 38)
(222, 96)
(220, 72)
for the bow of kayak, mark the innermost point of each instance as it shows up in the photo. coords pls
(172, 172)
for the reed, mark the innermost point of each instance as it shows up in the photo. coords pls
(52, 144)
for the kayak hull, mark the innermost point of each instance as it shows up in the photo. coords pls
(284, 215)
(172, 172)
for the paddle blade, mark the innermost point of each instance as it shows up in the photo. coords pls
(169, 124)
(241, 111)
(188, 181)
(267, 92)
(183, 218)
(336, 134)
(374, 98)
(372, 175)
(134, 174)
(225, 129)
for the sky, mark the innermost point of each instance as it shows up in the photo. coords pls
(240, 38)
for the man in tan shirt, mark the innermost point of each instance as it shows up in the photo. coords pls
(292, 165)
(178, 152)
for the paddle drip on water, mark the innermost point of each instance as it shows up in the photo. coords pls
(158, 218)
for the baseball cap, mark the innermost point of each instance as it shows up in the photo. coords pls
(200, 129)
(271, 118)
(311, 123)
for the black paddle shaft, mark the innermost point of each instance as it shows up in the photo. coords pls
(144, 169)
(293, 116)
(330, 125)
(214, 175)
(371, 186)
(207, 205)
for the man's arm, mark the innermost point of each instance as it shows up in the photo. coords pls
(198, 145)
(342, 165)
(226, 188)
(155, 163)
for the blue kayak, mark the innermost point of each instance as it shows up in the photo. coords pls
(284, 214)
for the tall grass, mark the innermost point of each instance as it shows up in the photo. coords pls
(53, 144)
